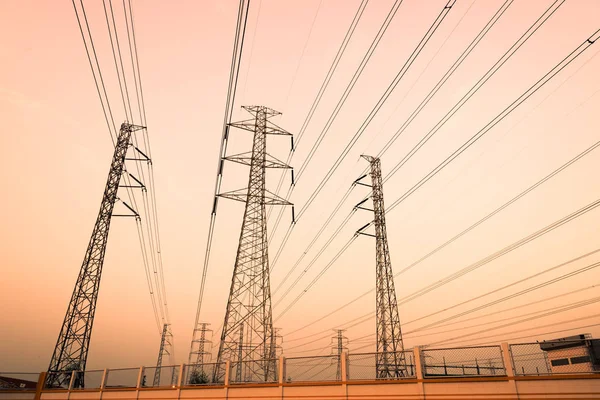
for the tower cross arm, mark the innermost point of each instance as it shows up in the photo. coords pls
(269, 129)
(246, 159)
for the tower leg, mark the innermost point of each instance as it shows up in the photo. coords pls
(71, 350)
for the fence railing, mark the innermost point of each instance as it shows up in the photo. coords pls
(544, 358)
(311, 369)
(124, 378)
(463, 361)
(18, 380)
(389, 365)
(553, 358)
(255, 371)
(204, 374)
(160, 377)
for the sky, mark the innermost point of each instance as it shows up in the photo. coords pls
(55, 150)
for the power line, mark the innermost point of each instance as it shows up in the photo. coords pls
(471, 227)
(466, 52)
(322, 89)
(369, 316)
(231, 91)
(503, 114)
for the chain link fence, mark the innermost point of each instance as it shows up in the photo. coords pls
(160, 377)
(18, 380)
(372, 366)
(311, 369)
(463, 361)
(58, 380)
(210, 374)
(123, 378)
(555, 357)
(255, 371)
(87, 379)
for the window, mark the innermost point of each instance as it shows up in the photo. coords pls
(560, 361)
(580, 360)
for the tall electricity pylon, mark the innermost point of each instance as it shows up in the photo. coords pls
(70, 353)
(165, 350)
(339, 344)
(390, 361)
(201, 345)
(247, 339)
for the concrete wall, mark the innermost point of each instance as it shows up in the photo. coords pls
(508, 387)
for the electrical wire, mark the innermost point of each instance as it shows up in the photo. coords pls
(503, 114)
(471, 227)
(231, 91)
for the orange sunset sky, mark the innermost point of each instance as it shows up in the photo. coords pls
(55, 152)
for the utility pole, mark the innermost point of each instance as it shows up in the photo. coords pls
(247, 339)
(338, 346)
(165, 345)
(71, 350)
(390, 361)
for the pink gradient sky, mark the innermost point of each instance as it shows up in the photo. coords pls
(55, 151)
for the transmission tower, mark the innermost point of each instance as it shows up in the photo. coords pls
(201, 345)
(165, 346)
(390, 360)
(247, 339)
(339, 344)
(70, 353)
(278, 342)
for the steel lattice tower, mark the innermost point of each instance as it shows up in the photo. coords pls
(338, 346)
(70, 353)
(165, 345)
(247, 339)
(390, 362)
(201, 355)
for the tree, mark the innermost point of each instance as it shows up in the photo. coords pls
(198, 377)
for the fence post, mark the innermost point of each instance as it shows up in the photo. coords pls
(419, 370)
(139, 378)
(227, 372)
(508, 367)
(344, 369)
(344, 372)
(180, 377)
(103, 381)
(40, 385)
(281, 371)
(71, 381)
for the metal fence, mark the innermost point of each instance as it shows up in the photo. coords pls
(160, 377)
(87, 379)
(552, 357)
(58, 380)
(255, 371)
(463, 361)
(371, 366)
(18, 380)
(124, 378)
(203, 374)
(310, 369)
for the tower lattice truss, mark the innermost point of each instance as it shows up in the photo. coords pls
(70, 353)
(166, 346)
(247, 339)
(390, 361)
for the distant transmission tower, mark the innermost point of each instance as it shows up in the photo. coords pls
(278, 342)
(166, 343)
(201, 344)
(390, 362)
(339, 344)
(247, 338)
(70, 353)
